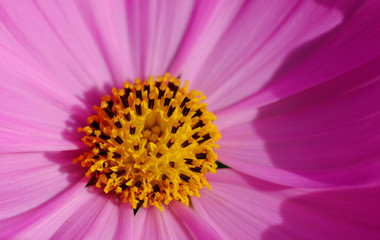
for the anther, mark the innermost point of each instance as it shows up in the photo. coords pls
(151, 103)
(185, 143)
(103, 152)
(184, 177)
(139, 94)
(195, 136)
(118, 124)
(205, 138)
(124, 100)
(198, 113)
(188, 161)
(185, 111)
(118, 140)
(95, 125)
(167, 101)
(127, 117)
(138, 110)
(169, 144)
(198, 124)
(184, 101)
(138, 184)
(170, 111)
(104, 136)
(196, 169)
(201, 155)
(160, 93)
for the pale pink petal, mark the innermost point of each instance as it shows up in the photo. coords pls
(328, 134)
(153, 224)
(69, 44)
(239, 206)
(156, 30)
(104, 226)
(254, 46)
(108, 24)
(35, 110)
(126, 222)
(28, 180)
(198, 226)
(13, 226)
(209, 20)
(139, 222)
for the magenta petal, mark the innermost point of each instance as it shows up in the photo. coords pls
(28, 180)
(342, 214)
(254, 46)
(243, 207)
(328, 134)
(350, 44)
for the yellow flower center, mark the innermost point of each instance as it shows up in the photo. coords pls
(151, 143)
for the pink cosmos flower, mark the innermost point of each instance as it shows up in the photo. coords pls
(295, 86)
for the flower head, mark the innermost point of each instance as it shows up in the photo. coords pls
(151, 143)
(292, 87)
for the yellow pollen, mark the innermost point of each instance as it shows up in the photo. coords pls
(151, 143)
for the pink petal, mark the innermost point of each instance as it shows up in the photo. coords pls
(153, 224)
(208, 22)
(235, 209)
(331, 139)
(65, 45)
(89, 214)
(36, 110)
(13, 226)
(156, 31)
(253, 46)
(197, 225)
(126, 222)
(28, 180)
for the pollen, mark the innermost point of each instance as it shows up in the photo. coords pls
(151, 142)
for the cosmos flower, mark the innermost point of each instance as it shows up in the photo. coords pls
(294, 86)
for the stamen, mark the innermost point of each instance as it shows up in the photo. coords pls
(151, 143)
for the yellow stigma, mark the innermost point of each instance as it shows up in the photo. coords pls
(151, 143)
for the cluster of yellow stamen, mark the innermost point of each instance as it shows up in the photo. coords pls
(151, 143)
